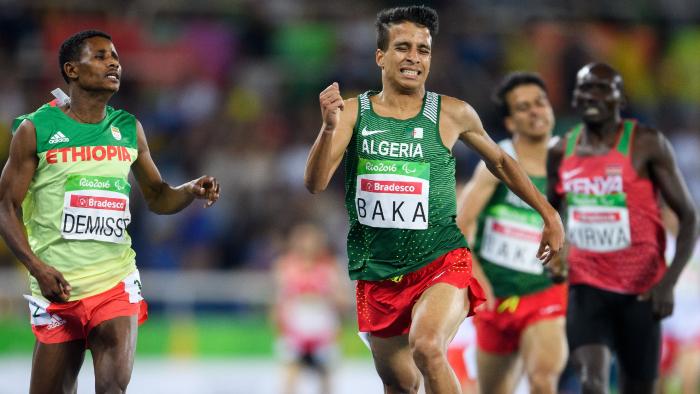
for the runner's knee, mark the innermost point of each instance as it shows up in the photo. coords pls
(114, 381)
(426, 351)
(543, 382)
(593, 384)
(399, 381)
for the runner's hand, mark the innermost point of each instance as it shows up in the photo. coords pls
(490, 303)
(552, 239)
(331, 105)
(557, 269)
(205, 187)
(53, 285)
(661, 297)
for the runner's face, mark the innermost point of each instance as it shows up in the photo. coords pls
(98, 68)
(597, 95)
(406, 62)
(531, 114)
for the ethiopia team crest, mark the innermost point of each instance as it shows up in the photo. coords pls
(116, 133)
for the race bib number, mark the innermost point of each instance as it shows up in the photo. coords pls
(96, 208)
(39, 315)
(393, 194)
(598, 223)
(132, 286)
(511, 239)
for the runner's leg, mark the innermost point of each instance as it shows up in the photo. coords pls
(55, 367)
(497, 373)
(113, 343)
(436, 318)
(544, 351)
(592, 366)
(395, 365)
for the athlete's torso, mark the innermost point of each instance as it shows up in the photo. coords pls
(400, 192)
(614, 228)
(77, 207)
(507, 238)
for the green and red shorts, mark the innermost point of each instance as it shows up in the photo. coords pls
(498, 331)
(384, 307)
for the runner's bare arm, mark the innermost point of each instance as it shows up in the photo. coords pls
(339, 117)
(14, 184)
(160, 196)
(665, 174)
(555, 155)
(474, 197)
(462, 118)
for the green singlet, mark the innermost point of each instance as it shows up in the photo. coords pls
(77, 207)
(399, 192)
(507, 238)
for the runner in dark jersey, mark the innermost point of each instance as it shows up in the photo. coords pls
(405, 249)
(523, 322)
(607, 174)
(67, 179)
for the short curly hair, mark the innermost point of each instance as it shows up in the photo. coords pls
(73, 45)
(418, 14)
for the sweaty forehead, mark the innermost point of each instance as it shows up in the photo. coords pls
(409, 31)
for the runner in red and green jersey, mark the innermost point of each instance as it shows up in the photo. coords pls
(67, 179)
(523, 321)
(414, 271)
(607, 173)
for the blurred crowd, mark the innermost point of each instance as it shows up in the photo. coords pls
(230, 89)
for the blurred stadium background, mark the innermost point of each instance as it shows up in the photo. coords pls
(229, 88)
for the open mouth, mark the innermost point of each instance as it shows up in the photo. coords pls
(410, 73)
(592, 111)
(113, 76)
(539, 123)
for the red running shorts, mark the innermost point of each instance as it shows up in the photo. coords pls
(499, 331)
(384, 307)
(70, 321)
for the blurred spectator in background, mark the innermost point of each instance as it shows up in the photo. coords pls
(311, 298)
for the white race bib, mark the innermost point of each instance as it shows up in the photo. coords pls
(599, 223)
(393, 194)
(512, 244)
(96, 208)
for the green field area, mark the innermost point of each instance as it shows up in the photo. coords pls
(200, 336)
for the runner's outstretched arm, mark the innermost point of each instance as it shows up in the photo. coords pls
(161, 197)
(14, 184)
(509, 172)
(338, 118)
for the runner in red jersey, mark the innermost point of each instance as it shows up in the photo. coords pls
(607, 174)
(310, 299)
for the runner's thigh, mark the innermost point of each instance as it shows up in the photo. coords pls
(55, 367)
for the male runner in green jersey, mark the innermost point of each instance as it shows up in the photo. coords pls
(413, 269)
(523, 321)
(66, 178)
